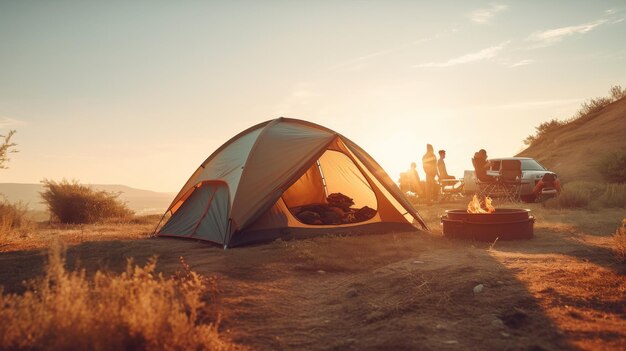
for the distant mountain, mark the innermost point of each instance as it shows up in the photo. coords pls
(573, 150)
(138, 200)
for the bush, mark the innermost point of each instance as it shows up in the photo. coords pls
(13, 220)
(577, 195)
(136, 310)
(592, 105)
(588, 107)
(73, 203)
(543, 129)
(612, 167)
(617, 92)
(614, 195)
(589, 195)
(620, 242)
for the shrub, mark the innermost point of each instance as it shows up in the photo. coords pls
(13, 220)
(588, 107)
(543, 129)
(577, 195)
(592, 105)
(74, 203)
(612, 167)
(136, 310)
(614, 195)
(620, 242)
(617, 92)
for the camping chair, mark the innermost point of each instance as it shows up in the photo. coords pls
(451, 188)
(487, 188)
(484, 187)
(510, 180)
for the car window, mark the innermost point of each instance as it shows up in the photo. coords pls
(494, 165)
(532, 165)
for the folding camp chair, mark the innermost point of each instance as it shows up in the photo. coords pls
(510, 180)
(451, 188)
(487, 188)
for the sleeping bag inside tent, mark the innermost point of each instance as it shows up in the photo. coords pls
(287, 178)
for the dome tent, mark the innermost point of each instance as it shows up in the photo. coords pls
(244, 192)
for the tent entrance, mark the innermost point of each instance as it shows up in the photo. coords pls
(204, 214)
(332, 191)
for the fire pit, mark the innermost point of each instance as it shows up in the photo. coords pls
(489, 224)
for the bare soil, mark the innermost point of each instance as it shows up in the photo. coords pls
(402, 291)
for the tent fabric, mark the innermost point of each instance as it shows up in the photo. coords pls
(387, 186)
(204, 215)
(245, 191)
(343, 176)
(225, 165)
(277, 158)
(308, 189)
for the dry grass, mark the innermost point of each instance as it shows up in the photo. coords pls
(614, 195)
(620, 242)
(589, 195)
(14, 223)
(561, 290)
(43, 234)
(577, 195)
(137, 309)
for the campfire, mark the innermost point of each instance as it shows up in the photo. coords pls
(475, 206)
(483, 222)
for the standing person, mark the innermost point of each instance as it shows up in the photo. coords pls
(429, 162)
(441, 167)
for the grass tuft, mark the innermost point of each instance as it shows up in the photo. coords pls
(576, 195)
(13, 221)
(135, 310)
(589, 195)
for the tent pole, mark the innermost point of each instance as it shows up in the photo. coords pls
(157, 226)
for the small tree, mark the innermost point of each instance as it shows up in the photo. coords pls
(74, 203)
(6, 147)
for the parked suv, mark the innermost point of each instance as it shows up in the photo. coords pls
(532, 171)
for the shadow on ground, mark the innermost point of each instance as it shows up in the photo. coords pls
(402, 291)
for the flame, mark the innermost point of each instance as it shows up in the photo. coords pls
(475, 206)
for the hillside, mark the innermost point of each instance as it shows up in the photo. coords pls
(138, 200)
(573, 150)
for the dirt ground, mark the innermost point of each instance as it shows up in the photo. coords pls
(402, 291)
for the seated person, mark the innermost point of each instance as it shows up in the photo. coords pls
(441, 167)
(548, 181)
(481, 165)
(415, 185)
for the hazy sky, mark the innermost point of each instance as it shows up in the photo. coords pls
(140, 93)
